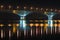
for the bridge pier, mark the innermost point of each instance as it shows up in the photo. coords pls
(22, 14)
(50, 21)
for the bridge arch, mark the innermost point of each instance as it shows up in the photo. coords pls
(36, 16)
(56, 16)
(36, 21)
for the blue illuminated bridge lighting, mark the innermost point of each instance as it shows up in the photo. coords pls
(50, 21)
(22, 14)
(50, 17)
(33, 21)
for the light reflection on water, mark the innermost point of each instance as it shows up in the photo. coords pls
(1, 33)
(26, 33)
(9, 33)
(17, 33)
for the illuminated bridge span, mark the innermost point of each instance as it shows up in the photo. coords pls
(32, 21)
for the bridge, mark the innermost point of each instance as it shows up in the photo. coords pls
(33, 19)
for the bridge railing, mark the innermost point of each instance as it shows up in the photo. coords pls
(31, 8)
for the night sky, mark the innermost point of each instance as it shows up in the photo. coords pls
(40, 3)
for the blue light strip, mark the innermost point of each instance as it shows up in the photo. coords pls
(22, 22)
(22, 14)
(50, 21)
(50, 17)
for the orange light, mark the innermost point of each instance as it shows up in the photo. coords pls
(46, 25)
(36, 24)
(17, 25)
(58, 25)
(41, 24)
(1, 25)
(55, 20)
(55, 25)
(14, 29)
(14, 11)
(58, 20)
(31, 24)
(45, 12)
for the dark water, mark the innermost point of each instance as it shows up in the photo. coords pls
(39, 37)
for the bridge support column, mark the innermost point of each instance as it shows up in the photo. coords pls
(50, 21)
(22, 22)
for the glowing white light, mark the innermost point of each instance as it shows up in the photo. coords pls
(24, 32)
(1, 33)
(9, 25)
(51, 26)
(50, 23)
(31, 24)
(55, 25)
(31, 7)
(9, 6)
(36, 31)
(36, 8)
(25, 7)
(31, 31)
(1, 25)
(41, 30)
(22, 17)
(9, 33)
(2, 6)
(23, 13)
(55, 29)
(22, 23)
(17, 7)
(17, 33)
